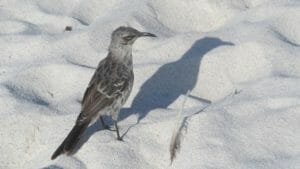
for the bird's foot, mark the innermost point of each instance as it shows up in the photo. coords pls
(120, 139)
(107, 127)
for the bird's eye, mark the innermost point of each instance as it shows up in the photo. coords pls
(128, 38)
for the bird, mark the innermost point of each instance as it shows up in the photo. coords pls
(108, 89)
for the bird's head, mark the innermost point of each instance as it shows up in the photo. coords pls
(127, 35)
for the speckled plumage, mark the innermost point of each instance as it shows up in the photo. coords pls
(108, 89)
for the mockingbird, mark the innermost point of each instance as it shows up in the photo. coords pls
(108, 89)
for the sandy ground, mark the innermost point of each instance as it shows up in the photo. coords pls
(243, 55)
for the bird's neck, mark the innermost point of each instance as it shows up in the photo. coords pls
(121, 53)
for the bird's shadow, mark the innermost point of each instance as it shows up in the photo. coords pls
(165, 85)
(172, 80)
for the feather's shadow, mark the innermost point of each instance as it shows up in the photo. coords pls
(172, 79)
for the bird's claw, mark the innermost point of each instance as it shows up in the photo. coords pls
(120, 139)
(106, 127)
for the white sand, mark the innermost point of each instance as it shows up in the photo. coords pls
(243, 55)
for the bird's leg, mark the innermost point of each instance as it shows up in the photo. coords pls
(103, 124)
(117, 130)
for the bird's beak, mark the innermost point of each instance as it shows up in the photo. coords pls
(147, 34)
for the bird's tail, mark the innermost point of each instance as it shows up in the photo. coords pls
(68, 145)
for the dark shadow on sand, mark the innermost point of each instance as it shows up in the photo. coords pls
(172, 79)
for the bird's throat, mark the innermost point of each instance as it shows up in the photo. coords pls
(122, 53)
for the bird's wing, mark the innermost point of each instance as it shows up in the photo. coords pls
(107, 85)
